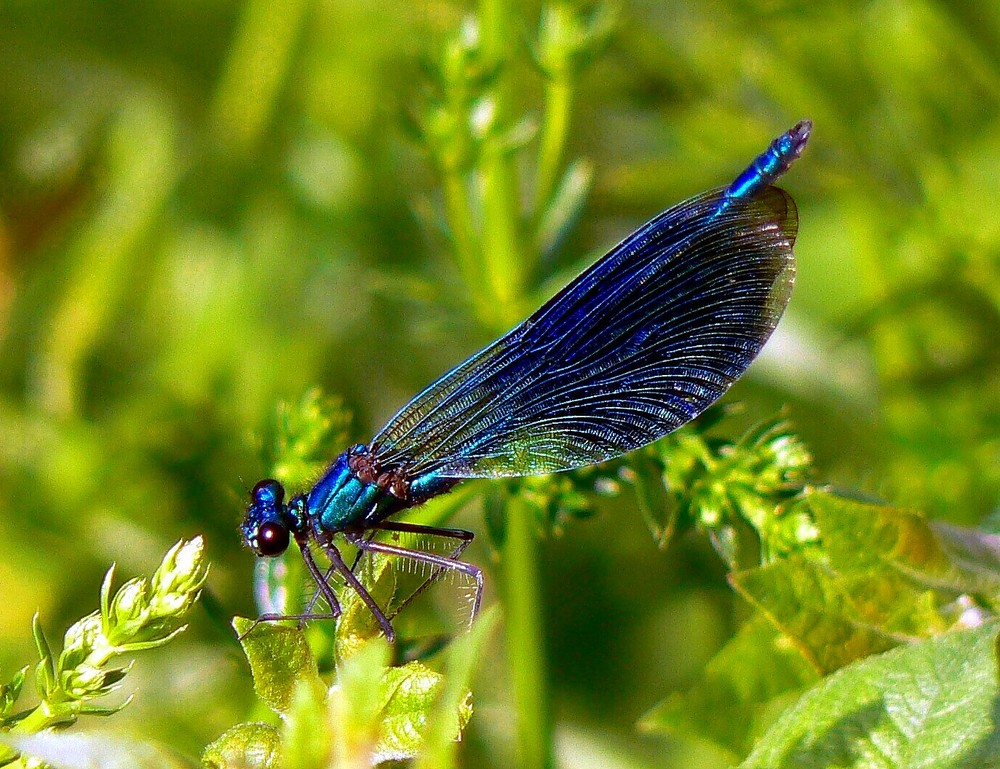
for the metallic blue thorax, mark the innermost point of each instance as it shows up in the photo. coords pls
(345, 498)
(341, 500)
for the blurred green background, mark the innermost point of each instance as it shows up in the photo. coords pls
(206, 207)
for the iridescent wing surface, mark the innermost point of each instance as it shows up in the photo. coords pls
(639, 344)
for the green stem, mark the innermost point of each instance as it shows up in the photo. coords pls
(525, 641)
(503, 257)
(552, 142)
(255, 70)
(464, 233)
(505, 263)
(42, 717)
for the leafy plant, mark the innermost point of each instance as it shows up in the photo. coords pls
(204, 209)
(141, 615)
(873, 578)
(374, 712)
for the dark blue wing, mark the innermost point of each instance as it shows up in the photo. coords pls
(639, 344)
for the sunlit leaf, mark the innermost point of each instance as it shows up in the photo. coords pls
(931, 704)
(279, 658)
(245, 746)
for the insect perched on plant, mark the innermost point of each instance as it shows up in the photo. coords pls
(639, 344)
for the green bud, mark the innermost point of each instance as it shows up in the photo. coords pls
(130, 604)
(178, 580)
(84, 640)
(82, 680)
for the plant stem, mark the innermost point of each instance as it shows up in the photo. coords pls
(38, 719)
(255, 71)
(503, 257)
(464, 233)
(525, 641)
(505, 263)
(552, 142)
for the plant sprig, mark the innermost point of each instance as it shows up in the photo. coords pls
(142, 614)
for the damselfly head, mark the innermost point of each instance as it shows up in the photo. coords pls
(266, 527)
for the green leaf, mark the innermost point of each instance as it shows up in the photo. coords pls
(245, 746)
(45, 672)
(80, 750)
(736, 697)
(279, 657)
(356, 702)
(878, 538)
(882, 576)
(408, 695)
(10, 691)
(385, 713)
(808, 604)
(931, 704)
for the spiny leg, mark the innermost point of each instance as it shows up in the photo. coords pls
(322, 588)
(464, 540)
(322, 580)
(357, 556)
(337, 562)
(329, 573)
(319, 592)
(441, 561)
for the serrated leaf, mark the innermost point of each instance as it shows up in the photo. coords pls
(931, 704)
(807, 602)
(735, 699)
(380, 713)
(245, 746)
(81, 750)
(861, 536)
(279, 657)
(902, 573)
(408, 693)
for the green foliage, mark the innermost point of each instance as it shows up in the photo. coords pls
(874, 577)
(374, 712)
(141, 615)
(727, 487)
(208, 209)
(927, 704)
(305, 435)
